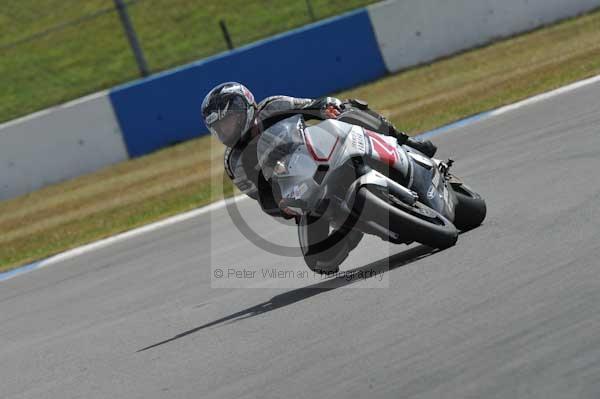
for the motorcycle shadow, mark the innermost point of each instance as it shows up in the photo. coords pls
(290, 297)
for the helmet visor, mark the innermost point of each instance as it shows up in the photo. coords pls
(231, 123)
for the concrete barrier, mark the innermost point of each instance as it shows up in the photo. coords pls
(58, 143)
(412, 32)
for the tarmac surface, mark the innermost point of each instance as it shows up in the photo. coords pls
(512, 311)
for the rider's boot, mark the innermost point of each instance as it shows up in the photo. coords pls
(425, 146)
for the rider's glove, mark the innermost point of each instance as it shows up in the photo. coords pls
(332, 108)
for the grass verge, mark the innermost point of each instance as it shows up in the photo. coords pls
(179, 178)
(90, 52)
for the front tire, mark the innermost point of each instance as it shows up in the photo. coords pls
(324, 251)
(470, 209)
(416, 223)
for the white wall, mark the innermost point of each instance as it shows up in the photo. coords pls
(58, 143)
(411, 32)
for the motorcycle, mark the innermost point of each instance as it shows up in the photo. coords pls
(353, 177)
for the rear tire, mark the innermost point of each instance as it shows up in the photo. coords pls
(417, 223)
(470, 210)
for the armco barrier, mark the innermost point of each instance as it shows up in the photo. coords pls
(316, 60)
(58, 143)
(412, 32)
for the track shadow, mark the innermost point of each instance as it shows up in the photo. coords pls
(291, 297)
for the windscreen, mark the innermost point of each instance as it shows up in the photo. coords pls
(278, 144)
(284, 158)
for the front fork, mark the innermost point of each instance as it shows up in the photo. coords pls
(444, 189)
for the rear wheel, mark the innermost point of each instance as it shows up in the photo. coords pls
(470, 209)
(416, 223)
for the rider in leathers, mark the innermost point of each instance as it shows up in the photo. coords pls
(232, 115)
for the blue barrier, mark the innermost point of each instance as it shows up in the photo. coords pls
(318, 59)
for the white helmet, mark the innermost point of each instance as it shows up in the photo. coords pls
(228, 111)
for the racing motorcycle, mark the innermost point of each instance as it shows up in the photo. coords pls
(360, 179)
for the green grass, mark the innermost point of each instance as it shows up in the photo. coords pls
(94, 54)
(189, 175)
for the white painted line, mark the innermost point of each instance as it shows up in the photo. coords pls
(545, 96)
(508, 108)
(120, 237)
(221, 204)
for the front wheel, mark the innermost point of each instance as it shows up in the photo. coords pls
(324, 251)
(416, 223)
(470, 209)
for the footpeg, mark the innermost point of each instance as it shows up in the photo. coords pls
(445, 168)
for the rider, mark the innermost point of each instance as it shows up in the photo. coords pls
(232, 115)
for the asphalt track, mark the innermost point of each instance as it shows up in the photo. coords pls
(512, 311)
